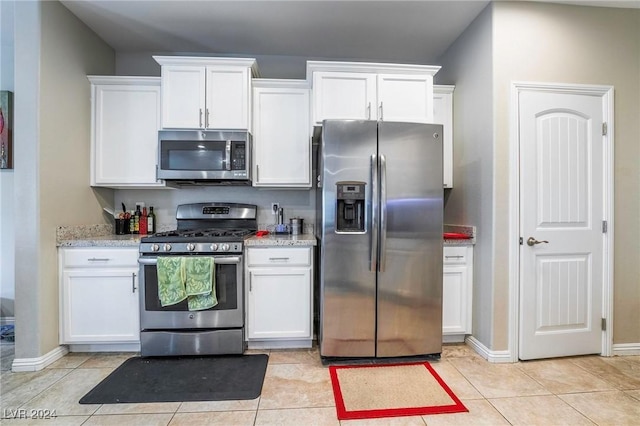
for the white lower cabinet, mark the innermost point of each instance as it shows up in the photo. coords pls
(457, 292)
(279, 297)
(99, 296)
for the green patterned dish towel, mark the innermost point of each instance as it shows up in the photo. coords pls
(191, 278)
(200, 282)
(170, 280)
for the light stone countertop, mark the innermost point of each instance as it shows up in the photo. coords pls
(464, 229)
(274, 240)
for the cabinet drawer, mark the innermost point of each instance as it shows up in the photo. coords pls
(454, 255)
(279, 256)
(100, 257)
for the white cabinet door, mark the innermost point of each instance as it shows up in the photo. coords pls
(100, 305)
(279, 303)
(98, 295)
(406, 98)
(443, 114)
(343, 95)
(228, 98)
(183, 97)
(457, 289)
(281, 140)
(125, 123)
(454, 284)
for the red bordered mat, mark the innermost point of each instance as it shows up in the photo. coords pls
(451, 402)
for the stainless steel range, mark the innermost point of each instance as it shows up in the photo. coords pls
(204, 229)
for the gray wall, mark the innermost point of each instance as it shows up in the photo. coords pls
(467, 64)
(54, 52)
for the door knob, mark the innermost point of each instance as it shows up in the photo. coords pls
(532, 241)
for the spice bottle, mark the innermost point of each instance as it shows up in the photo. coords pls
(151, 221)
(143, 222)
(136, 220)
(132, 222)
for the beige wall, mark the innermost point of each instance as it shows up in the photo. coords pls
(54, 161)
(571, 44)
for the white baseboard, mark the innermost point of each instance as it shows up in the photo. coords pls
(7, 321)
(105, 347)
(622, 349)
(280, 344)
(37, 364)
(488, 354)
(453, 338)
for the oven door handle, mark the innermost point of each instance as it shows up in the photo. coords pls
(231, 260)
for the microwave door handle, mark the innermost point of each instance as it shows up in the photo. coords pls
(228, 162)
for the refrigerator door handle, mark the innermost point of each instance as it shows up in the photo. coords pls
(383, 213)
(373, 245)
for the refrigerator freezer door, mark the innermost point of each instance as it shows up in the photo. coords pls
(409, 304)
(348, 277)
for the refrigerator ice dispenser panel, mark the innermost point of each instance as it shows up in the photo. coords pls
(350, 207)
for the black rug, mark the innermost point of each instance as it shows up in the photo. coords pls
(174, 379)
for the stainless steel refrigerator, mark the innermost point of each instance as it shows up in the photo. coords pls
(379, 213)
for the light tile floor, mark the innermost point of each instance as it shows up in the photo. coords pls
(297, 391)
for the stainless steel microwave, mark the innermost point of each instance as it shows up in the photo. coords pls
(204, 156)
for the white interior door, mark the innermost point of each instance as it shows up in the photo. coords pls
(562, 209)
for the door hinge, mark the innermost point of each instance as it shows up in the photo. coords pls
(604, 128)
(604, 226)
(521, 241)
(604, 324)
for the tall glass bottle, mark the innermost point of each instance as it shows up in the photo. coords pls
(151, 221)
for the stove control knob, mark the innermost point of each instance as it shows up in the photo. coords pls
(191, 247)
(225, 247)
(155, 247)
(167, 247)
(214, 247)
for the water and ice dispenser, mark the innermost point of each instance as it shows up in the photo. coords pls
(350, 206)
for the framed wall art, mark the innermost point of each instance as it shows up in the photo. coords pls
(6, 129)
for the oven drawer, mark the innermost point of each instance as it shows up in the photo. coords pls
(100, 257)
(279, 256)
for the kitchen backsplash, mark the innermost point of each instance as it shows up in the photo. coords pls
(296, 203)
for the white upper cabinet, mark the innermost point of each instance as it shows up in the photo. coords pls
(443, 114)
(206, 93)
(125, 120)
(369, 91)
(281, 133)
(344, 95)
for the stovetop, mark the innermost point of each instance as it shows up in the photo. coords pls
(210, 234)
(205, 228)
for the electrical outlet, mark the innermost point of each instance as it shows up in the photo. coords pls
(274, 208)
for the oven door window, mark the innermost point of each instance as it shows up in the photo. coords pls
(193, 155)
(226, 290)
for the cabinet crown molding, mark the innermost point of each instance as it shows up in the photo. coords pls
(204, 61)
(370, 67)
(124, 79)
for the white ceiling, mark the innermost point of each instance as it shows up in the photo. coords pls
(385, 31)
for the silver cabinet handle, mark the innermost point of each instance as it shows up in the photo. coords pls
(369, 111)
(200, 121)
(257, 173)
(532, 241)
(373, 245)
(98, 259)
(206, 119)
(383, 212)
(380, 116)
(282, 259)
(133, 282)
(454, 257)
